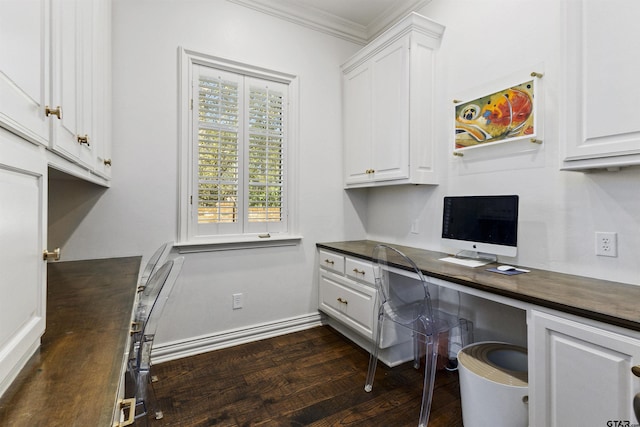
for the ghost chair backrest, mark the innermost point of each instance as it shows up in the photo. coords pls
(154, 263)
(140, 360)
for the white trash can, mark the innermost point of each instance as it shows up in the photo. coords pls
(494, 385)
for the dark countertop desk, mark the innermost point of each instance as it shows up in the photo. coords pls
(73, 378)
(613, 303)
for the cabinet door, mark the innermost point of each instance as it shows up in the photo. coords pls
(357, 124)
(100, 132)
(23, 272)
(579, 374)
(71, 77)
(24, 68)
(351, 303)
(602, 89)
(390, 115)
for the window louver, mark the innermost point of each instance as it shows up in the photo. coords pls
(218, 151)
(265, 163)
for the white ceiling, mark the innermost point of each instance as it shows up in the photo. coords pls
(362, 12)
(355, 20)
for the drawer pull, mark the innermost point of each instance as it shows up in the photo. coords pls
(83, 140)
(136, 327)
(328, 261)
(636, 370)
(355, 270)
(128, 406)
(342, 301)
(48, 111)
(55, 255)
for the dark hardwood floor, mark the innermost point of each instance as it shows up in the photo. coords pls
(309, 378)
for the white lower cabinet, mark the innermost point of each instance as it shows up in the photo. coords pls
(580, 372)
(348, 301)
(347, 295)
(23, 189)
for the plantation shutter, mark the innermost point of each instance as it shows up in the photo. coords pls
(239, 124)
(218, 162)
(266, 112)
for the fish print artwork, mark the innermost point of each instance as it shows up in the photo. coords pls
(498, 117)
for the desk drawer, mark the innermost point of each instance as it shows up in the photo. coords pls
(349, 302)
(359, 270)
(332, 261)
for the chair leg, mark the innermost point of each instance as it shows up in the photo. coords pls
(416, 350)
(431, 356)
(373, 358)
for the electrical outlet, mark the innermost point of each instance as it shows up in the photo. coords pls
(238, 301)
(606, 244)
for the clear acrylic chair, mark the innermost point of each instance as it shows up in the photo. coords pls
(409, 308)
(148, 313)
(149, 286)
(154, 263)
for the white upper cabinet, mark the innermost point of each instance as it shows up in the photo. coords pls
(80, 79)
(24, 68)
(55, 80)
(101, 88)
(388, 107)
(71, 135)
(601, 80)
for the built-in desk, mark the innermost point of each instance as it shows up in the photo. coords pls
(583, 334)
(73, 379)
(610, 302)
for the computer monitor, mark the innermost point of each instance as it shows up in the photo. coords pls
(482, 227)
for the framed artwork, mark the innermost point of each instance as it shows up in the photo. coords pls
(501, 116)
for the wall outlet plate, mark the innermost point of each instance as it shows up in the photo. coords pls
(238, 301)
(606, 244)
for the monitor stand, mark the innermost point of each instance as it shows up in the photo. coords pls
(471, 258)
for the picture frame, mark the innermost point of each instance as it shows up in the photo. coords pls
(500, 113)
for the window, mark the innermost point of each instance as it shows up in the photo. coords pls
(236, 131)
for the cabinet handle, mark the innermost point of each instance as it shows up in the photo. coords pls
(55, 255)
(636, 370)
(125, 404)
(83, 140)
(370, 171)
(355, 270)
(342, 301)
(136, 327)
(48, 111)
(107, 162)
(328, 261)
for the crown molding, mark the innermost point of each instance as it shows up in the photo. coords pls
(328, 23)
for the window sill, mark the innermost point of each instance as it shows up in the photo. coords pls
(228, 243)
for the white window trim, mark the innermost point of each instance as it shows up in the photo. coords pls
(186, 238)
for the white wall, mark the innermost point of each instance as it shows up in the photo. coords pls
(559, 211)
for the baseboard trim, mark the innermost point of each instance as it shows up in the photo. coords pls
(178, 349)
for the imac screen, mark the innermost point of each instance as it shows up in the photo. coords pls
(481, 219)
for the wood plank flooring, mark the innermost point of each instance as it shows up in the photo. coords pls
(309, 378)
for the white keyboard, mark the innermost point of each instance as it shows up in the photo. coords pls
(468, 262)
